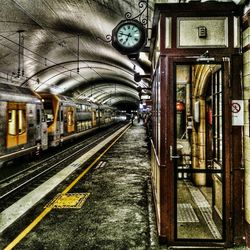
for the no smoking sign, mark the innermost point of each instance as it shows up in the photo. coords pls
(236, 107)
(237, 112)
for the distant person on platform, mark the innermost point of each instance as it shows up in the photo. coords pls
(148, 124)
(139, 117)
(132, 119)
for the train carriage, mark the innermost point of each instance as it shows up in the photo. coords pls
(107, 115)
(31, 122)
(68, 118)
(23, 128)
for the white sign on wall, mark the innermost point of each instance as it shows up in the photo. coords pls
(237, 112)
(197, 111)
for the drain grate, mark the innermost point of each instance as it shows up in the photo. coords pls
(69, 200)
(186, 213)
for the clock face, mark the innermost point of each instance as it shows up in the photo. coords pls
(128, 35)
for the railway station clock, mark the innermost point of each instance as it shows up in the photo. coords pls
(129, 37)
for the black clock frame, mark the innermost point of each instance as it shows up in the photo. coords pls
(129, 50)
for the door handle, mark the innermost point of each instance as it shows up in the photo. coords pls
(171, 154)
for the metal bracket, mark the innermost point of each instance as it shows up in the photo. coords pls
(171, 154)
(143, 4)
(141, 17)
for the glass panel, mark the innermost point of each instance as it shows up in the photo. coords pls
(70, 118)
(199, 209)
(48, 108)
(155, 134)
(12, 122)
(199, 146)
(38, 116)
(22, 121)
(217, 109)
(158, 111)
(155, 113)
(43, 115)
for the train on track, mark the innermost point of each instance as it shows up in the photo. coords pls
(32, 122)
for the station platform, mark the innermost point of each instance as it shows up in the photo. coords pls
(114, 211)
(109, 207)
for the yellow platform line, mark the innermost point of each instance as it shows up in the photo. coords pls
(47, 210)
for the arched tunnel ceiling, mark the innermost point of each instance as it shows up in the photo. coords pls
(58, 46)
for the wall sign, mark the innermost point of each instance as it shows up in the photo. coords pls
(237, 112)
(197, 111)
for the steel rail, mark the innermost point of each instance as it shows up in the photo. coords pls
(54, 165)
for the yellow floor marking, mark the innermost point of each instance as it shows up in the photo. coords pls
(92, 164)
(28, 229)
(47, 210)
(69, 200)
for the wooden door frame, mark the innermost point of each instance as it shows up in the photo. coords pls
(168, 184)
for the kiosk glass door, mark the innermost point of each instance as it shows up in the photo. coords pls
(199, 152)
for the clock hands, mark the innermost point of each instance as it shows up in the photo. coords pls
(128, 35)
(126, 39)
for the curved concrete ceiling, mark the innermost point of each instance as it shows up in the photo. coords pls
(61, 46)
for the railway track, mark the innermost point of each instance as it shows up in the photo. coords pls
(22, 182)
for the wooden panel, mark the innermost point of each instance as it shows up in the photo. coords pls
(227, 152)
(238, 171)
(217, 32)
(169, 56)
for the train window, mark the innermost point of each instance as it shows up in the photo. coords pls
(50, 117)
(12, 122)
(70, 118)
(78, 124)
(10, 116)
(61, 115)
(47, 104)
(78, 107)
(21, 121)
(43, 116)
(38, 116)
(48, 108)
